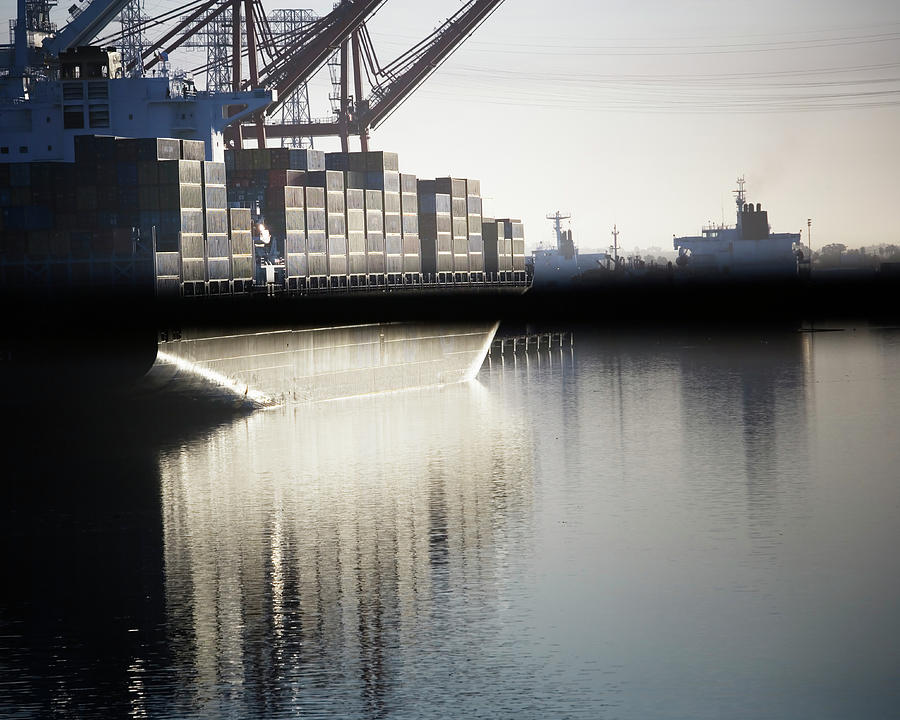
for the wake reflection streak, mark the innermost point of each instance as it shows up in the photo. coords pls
(328, 550)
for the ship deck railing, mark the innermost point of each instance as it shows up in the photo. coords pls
(419, 284)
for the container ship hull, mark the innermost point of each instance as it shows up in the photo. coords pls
(251, 367)
(310, 364)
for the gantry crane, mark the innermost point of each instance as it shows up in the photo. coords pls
(284, 66)
(394, 82)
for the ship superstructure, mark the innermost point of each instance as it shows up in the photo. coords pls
(748, 248)
(49, 98)
(562, 264)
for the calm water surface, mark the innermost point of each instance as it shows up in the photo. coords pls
(638, 527)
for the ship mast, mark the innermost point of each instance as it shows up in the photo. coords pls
(615, 234)
(739, 197)
(557, 219)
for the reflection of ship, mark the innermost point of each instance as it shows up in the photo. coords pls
(307, 544)
(563, 264)
(749, 248)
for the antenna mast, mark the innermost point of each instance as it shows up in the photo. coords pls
(739, 199)
(615, 234)
(739, 193)
(557, 219)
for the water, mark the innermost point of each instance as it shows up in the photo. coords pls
(639, 527)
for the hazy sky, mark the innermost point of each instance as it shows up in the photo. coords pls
(644, 114)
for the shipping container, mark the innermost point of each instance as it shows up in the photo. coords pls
(435, 230)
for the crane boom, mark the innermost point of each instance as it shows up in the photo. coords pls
(399, 78)
(300, 60)
(83, 28)
(414, 68)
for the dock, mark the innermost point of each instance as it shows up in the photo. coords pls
(516, 344)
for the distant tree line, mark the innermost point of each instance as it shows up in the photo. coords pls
(838, 255)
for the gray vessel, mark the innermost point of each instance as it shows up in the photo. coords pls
(749, 248)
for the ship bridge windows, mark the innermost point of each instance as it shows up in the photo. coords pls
(73, 91)
(4, 150)
(98, 91)
(99, 116)
(73, 117)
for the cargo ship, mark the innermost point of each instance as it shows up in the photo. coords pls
(562, 265)
(119, 184)
(748, 249)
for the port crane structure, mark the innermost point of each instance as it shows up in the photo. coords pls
(278, 62)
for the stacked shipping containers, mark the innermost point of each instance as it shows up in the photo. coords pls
(514, 232)
(465, 218)
(87, 222)
(356, 230)
(390, 207)
(435, 231)
(270, 182)
(375, 260)
(316, 236)
(383, 175)
(456, 189)
(215, 215)
(353, 168)
(475, 238)
(286, 218)
(181, 220)
(358, 223)
(364, 182)
(409, 209)
(282, 212)
(332, 183)
(240, 229)
(498, 259)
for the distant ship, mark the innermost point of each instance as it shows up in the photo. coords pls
(749, 248)
(563, 264)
